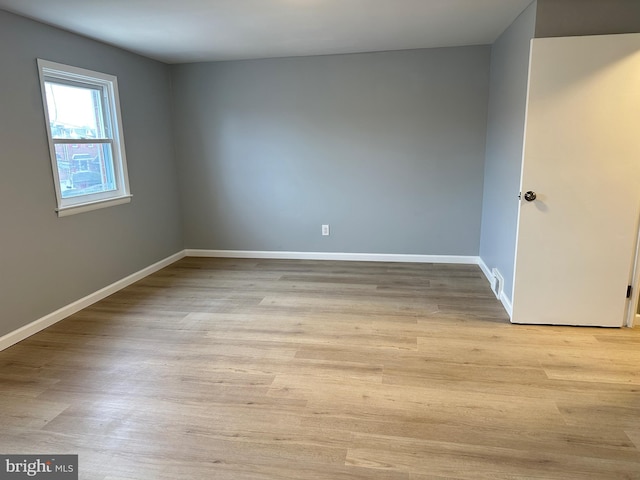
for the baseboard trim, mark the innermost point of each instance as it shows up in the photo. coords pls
(485, 269)
(21, 333)
(506, 303)
(353, 257)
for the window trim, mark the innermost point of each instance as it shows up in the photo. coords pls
(67, 74)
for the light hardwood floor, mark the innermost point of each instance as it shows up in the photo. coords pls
(265, 369)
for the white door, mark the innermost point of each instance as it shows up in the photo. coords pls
(576, 240)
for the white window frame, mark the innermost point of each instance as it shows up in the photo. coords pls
(108, 84)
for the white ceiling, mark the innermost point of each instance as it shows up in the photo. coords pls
(203, 30)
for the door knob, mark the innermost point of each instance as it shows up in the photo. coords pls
(530, 196)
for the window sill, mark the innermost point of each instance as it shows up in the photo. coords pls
(86, 207)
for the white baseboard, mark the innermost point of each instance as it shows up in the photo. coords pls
(485, 269)
(506, 303)
(354, 257)
(14, 337)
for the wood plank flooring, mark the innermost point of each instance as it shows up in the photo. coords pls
(270, 369)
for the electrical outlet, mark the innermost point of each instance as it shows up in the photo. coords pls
(325, 230)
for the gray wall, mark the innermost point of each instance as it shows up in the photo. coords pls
(505, 135)
(564, 18)
(387, 148)
(47, 262)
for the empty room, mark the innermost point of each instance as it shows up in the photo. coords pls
(320, 239)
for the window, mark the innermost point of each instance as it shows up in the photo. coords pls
(84, 127)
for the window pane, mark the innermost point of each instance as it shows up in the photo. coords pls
(87, 149)
(75, 112)
(85, 169)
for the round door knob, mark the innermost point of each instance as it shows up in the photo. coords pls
(530, 196)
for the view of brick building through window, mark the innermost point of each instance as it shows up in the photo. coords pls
(81, 168)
